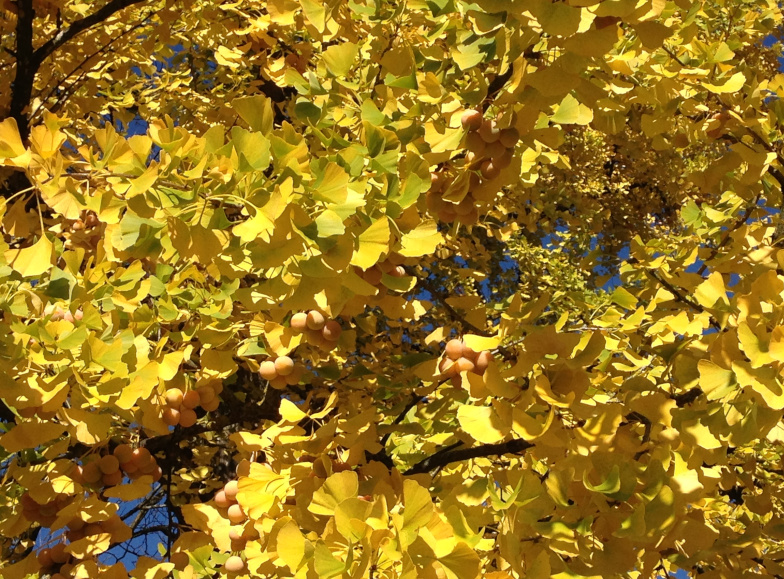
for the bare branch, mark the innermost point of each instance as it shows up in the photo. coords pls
(452, 454)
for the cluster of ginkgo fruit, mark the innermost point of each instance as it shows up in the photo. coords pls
(490, 149)
(181, 406)
(392, 266)
(84, 231)
(240, 532)
(281, 372)
(56, 562)
(318, 330)
(57, 312)
(109, 469)
(43, 514)
(79, 529)
(458, 358)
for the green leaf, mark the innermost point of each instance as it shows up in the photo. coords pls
(572, 112)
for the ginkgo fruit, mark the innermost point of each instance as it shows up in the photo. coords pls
(231, 488)
(109, 464)
(471, 120)
(123, 452)
(283, 365)
(331, 331)
(316, 320)
(187, 417)
(174, 397)
(299, 322)
(454, 349)
(222, 500)
(171, 416)
(489, 131)
(236, 514)
(190, 399)
(267, 370)
(234, 564)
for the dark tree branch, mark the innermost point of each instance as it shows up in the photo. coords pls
(26, 66)
(452, 454)
(80, 26)
(681, 297)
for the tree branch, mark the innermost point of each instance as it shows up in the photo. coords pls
(26, 66)
(452, 454)
(80, 26)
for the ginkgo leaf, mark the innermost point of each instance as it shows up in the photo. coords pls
(12, 150)
(260, 490)
(337, 488)
(293, 547)
(30, 435)
(32, 261)
(340, 57)
(571, 112)
(482, 423)
(422, 240)
(373, 242)
(732, 85)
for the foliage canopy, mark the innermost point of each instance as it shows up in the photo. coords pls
(276, 302)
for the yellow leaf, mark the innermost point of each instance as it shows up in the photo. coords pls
(337, 488)
(734, 84)
(572, 112)
(12, 150)
(290, 412)
(372, 243)
(31, 261)
(421, 241)
(479, 343)
(711, 290)
(90, 427)
(482, 423)
(130, 492)
(292, 546)
(462, 563)
(261, 489)
(30, 435)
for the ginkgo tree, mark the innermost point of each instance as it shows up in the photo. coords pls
(391, 289)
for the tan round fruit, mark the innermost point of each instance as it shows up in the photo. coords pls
(235, 514)
(434, 204)
(267, 370)
(221, 500)
(316, 320)
(123, 452)
(112, 479)
(503, 160)
(206, 394)
(489, 132)
(187, 418)
(58, 554)
(141, 456)
(91, 472)
(475, 144)
(190, 399)
(109, 464)
(279, 383)
(447, 215)
(489, 170)
(454, 349)
(180, 560)
(68, 316)
(495, 150)
(332, 331)
(447, 367)
(157, 473)
(231, 488)
(469, 353)
(295, 377)
(299, 322)
(471, 120)
(464, 365)
(77, 474)
(212, 405)
(315, 338)
(129, 467)
(78, 315)
(45, 558)
(483, 360)
(436, 181)
(171, 416)
(283, 365)
(174, 397)
(509, 137)
(372, 276)
(234, 564)
(235, 533)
